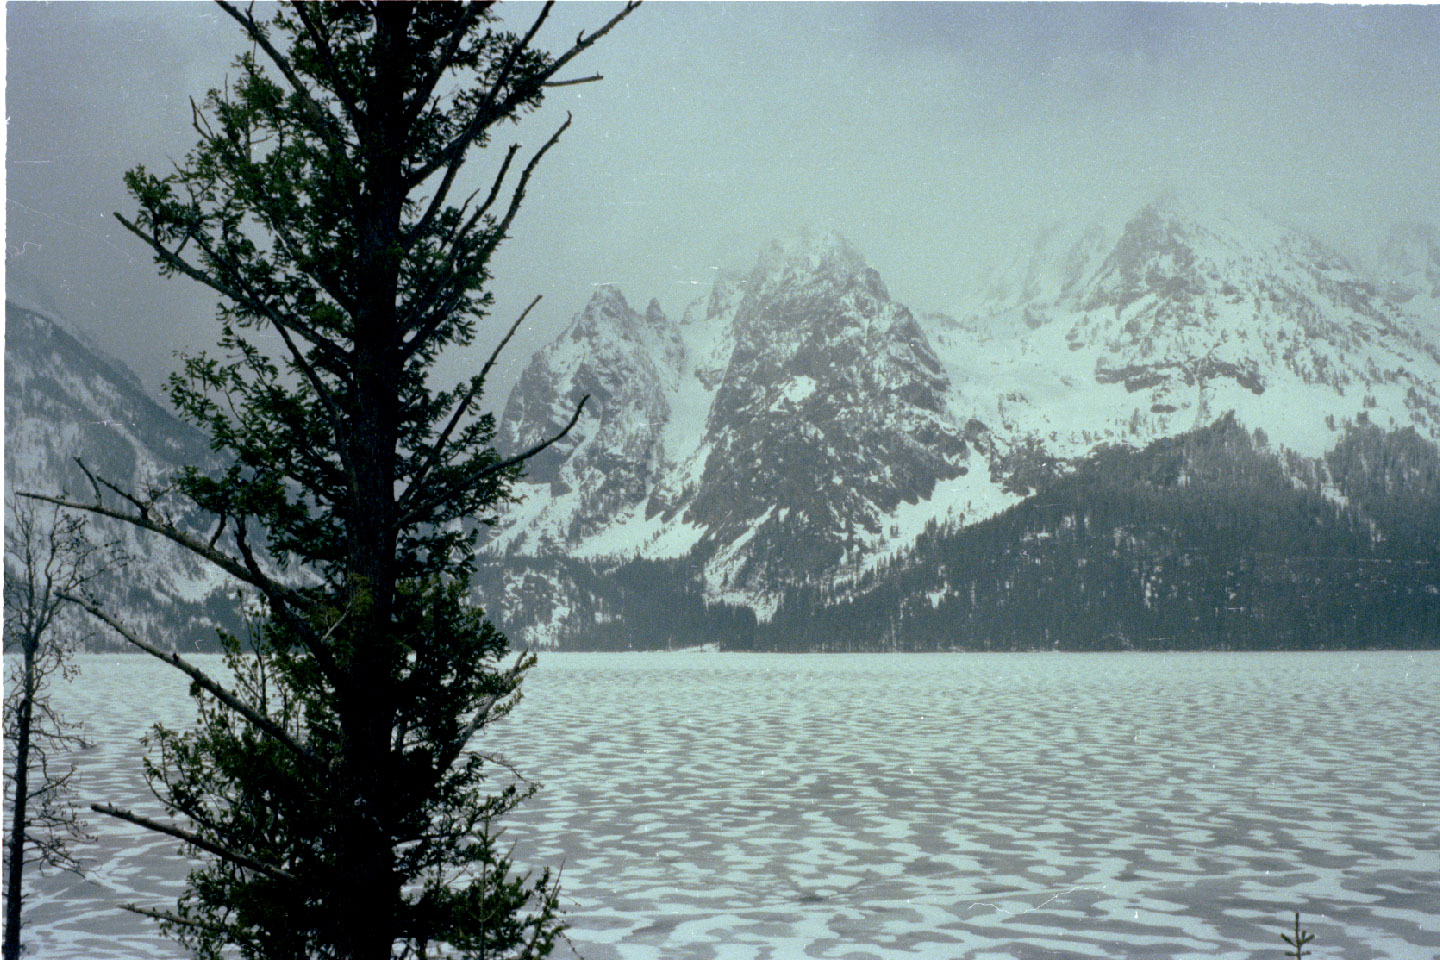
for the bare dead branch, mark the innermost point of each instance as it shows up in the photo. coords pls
(257, 719)
(433, 210)
(453, 155)
(425, 330)
(198, 547)
(459, 486)
(476, 385)
(551, 84)
(583, 42)
(504, 226)
(165, 917)
(194, 839)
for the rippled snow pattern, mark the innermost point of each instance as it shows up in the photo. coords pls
(947, 806)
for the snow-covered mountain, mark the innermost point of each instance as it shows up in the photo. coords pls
(799, 426)
(1191, 313)
(797, 432)
(64, 400)
(775, 432)
(630, 366)
(1409, 261)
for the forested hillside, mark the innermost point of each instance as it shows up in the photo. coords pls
(1202, 541)
(1209, 540)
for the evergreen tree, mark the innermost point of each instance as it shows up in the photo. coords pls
(332, 789)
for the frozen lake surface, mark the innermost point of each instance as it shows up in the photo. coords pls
(920, 806)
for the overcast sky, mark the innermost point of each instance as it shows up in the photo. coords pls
(934, 136)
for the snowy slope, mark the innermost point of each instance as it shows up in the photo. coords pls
(63, 401)
(1193, 313)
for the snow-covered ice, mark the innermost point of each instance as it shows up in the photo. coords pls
(916, 806)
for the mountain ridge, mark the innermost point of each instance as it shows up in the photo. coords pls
(791, 441)
(1159, 323)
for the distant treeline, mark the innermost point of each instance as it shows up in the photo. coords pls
(1204, 541)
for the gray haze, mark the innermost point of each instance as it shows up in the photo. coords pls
(936, 137)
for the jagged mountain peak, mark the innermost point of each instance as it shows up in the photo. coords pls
(798, 426)
(606, 310)
(827, 259)
(812, 249)
(607, 298)
(1192, 229)
(726, 290)
(627, 364)
(1109, 255)
(1061, 256)
(606, 321)
(1197, 305)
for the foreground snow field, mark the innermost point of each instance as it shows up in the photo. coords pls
(948, 806)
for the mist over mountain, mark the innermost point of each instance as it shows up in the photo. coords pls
(1174, 410)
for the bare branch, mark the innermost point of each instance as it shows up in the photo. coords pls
(454, 489)
(165, 917)
(476, 385)
(582, 43)
(513, 149)
(194, 839)
(198, 547)
(431, 211)
(263, 723)
(94, 484)
(519, 193)
(570, 83)
(425, 330)
(454, 153)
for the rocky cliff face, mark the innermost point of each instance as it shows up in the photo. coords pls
(628, 364)
(830, 415)
(772, 433)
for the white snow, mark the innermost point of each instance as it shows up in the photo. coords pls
(798, 389)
